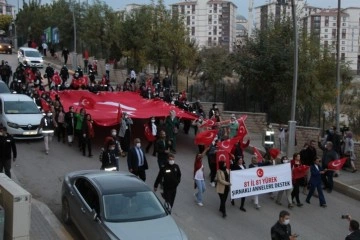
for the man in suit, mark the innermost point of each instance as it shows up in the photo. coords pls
(315, 182)
(162, 149)
(136, 160)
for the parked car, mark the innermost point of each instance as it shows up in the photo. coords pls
(20, 115)
(4, 88)
(115, 205)
(32, 57)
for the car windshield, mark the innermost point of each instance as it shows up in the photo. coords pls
(20, 107)
(132, 206)
(32, 54)
(5, 40)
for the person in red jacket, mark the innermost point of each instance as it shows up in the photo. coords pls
(88, 134)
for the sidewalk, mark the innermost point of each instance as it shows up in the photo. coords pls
(44, 224)
(347, 183)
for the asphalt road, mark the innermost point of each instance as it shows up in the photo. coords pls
(42, 176)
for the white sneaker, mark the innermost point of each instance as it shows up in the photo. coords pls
(200, 204)
(212, 184)
(257, 206)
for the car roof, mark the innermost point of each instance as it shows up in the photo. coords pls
(114, 182)
(15, 97)
(4, 88)
(29, 49)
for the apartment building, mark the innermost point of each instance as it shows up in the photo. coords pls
(6, 9)
(241, 30)
(209, 22)
(323, 26)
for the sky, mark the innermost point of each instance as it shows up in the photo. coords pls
(241, 4)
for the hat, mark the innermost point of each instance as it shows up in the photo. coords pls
(274, 152)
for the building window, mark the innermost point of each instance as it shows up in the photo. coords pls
(193, 31)
(343, 33)
(343, 56)
(209, 33)
(325, 36)
(326, 30)
(326, 44)
(333, 43)
(326, 21)
(193, 9)
(334, 18)
(210, 11)
(333, 34)
(188, 6)
(193, 17)
(214, 38)
(209, 41)
(182, 9)
(192, 23)
(344, 24)
(215, 22)
(342, 42)
(334, 24)
(344, 19)
(342, 48)
(188, 20)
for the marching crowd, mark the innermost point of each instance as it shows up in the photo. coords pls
(72, 127)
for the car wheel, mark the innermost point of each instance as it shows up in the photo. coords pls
(65, 211)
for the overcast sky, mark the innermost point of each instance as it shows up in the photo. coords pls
(241, 4)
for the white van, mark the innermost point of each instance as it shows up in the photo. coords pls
(20, 115)
(32, 57)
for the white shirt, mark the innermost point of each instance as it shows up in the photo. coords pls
(132, 74)
(153, 129)
(199, 174)
(107, 67)
(44, 46)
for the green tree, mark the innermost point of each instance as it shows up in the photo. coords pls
(5, 21)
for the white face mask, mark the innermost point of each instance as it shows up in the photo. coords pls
(152, 120)
(286, 221)
(171, 162)
(285, 161)
(113, 133)
(49, 114)
(111, 148)
(138, 145)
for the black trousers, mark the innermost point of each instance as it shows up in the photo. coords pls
(223, 197)
(60, 132)
(86, 142)
(242, 202)
(5, 165)
(295, 191)
(212, 166)
(140, 173)
(169, 196)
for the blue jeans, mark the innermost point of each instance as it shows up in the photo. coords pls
(200, 184)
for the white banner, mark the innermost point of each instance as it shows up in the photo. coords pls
(259, 180)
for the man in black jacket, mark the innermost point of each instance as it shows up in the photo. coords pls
(282, 229)
(7, 145)
(354, 230)
(170, 176)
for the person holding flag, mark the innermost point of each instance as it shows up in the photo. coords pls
(298, 175)
(328, 156)
(315, 182)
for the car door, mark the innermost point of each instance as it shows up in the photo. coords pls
(85, 207)
(21, 56)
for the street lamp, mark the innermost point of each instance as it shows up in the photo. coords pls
(292, 122)
(74, 62)
(338, 67)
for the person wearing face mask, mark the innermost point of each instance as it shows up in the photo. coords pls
(47, 126)
(233, 126)
(172, 128)
(199, 178)
(285, 160)
(354, 229)
(282, 228)
(125, 132)
(296, 182)
(108, 157)
(223, 185)
(7, 145)
(315, 182)
(88, 134)
(136, 160)
(211, 156)
(170, 177)
(153, 129)
(79, 119)
(199, 128)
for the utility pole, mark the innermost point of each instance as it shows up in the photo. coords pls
(292, 122)
(74, 62)
(338, 67)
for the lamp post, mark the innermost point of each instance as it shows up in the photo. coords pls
(338, 67)
(74, 62)
(292, 122)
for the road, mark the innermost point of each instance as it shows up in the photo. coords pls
(42, 176)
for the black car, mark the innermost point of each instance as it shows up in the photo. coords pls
(115, 205)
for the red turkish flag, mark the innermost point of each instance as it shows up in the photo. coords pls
(119, 113)
(337, 164)
(258, 155)
(87, 102)
(208, 123)
(299, 172)
(206, 137)
(227, 144)
(242, 131)
(45, 105)
(148, 134)
(222, 155)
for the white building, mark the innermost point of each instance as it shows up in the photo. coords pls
(241, 29)
(209, 22)
(6, 9)
(319, 22)
(323, 25)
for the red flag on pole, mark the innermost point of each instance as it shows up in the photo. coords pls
(337, 164)
(227, 144)
(299, 172)
(242, 131)
(205, 137)
(222, 155)
(258, 155)
(148, 134)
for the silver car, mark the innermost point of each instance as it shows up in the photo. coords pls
(31, 56)
(115, 205)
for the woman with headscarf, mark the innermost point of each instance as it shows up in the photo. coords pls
(223, 185)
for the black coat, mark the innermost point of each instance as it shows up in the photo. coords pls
(70, 121)
(353, 236)
(170, 176)
(280, 231)
(7, 145)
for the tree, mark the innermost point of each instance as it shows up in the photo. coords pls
(5, 21)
